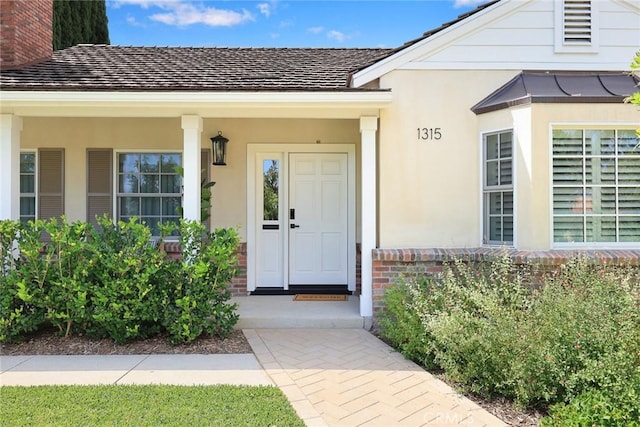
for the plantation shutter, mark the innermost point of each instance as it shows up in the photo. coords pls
(99, 183)
(577, 21)
(205, 161)
(50, 183)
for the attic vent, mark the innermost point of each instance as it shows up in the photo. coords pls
(577, 21)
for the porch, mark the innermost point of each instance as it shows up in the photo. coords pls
(281, 311)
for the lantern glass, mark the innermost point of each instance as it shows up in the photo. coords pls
(219, 145)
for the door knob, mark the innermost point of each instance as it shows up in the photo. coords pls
(294, 226)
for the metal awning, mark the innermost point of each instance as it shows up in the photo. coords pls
(560, 87)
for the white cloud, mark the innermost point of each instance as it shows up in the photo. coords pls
(184, 14)
(146, 4)
(337, 36)
(315, 30)
(465, 3)
(265, 9)
(131, 20)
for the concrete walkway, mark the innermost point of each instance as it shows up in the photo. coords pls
(179, 369)
(333, 377)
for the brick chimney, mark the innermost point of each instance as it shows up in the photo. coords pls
(26, 32)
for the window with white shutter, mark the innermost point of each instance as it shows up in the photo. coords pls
(596, 187)
(498, 188)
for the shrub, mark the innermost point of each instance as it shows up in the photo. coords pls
(126, 301)
(198, 301)
(113, 281)
(609, 407)
(493, 335)
(21, 282)
(400, 324)
(67, 257)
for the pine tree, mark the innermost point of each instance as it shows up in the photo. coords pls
(77, 22)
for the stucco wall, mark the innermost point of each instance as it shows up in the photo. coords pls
(429, 188)
(75, 135)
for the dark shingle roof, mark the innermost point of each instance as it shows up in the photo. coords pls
(122, 68)
(560, 87)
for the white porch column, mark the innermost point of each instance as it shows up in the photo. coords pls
(192, 130)
(368, 128)
(10, 130)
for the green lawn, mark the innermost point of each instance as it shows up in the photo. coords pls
(146, 405)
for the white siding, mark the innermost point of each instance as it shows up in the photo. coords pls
(523, 38)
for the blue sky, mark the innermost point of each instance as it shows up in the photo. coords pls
(277, 23)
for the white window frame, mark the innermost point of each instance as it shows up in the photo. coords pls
(486, 190)
(583, 245)
(116, 173)
(35, 184)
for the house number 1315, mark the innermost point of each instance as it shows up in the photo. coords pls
(429, 134)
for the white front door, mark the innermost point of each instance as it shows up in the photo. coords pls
(311, 188)
(318, 219)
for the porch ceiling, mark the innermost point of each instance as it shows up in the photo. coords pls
(320, 104)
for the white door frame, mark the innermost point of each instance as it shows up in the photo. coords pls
(285, 149)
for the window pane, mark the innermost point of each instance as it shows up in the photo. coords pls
(600, 200)
(270, 189)
(507, 200)
(150, 163)
(495, 203)
(505, 172)
(628, 143)
(169, 162)
(128, 184)
(505, 144)
(129, 206)
(567, 142)
(491, 147)
(567, 171)
(600, 170)
(492, 173)
(171, 184)
(170, 206)
(629, 200)
(152, 222)
(495, 229)
(28, 163)
(568, 229)
(629, 170)
(567, 200)
(128, 163)
(27, 183)
(150, 206)
(599, 142)
(507, 224)
(629, 229)
(28, 206)
(149, 184)
(601, 229)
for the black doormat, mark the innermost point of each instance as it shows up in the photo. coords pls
(305, 289)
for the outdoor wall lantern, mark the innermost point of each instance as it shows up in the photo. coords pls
(219, 144)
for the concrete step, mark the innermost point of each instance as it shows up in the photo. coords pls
(281, 311)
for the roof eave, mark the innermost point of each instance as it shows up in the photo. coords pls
(347, 103)
(548, 100)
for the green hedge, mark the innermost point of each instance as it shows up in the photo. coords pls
(576, 338)
(113, 281)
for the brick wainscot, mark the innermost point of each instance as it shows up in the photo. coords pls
(391, 264)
